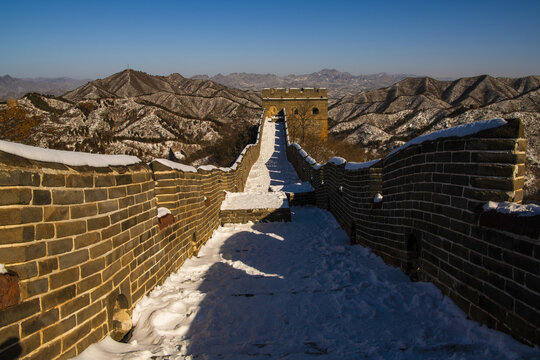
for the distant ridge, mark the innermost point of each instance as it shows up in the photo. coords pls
(338, 83)
(11, 87)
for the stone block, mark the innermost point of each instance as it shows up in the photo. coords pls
(79, 181)
(60, 246)
(88, 283)
(70, 228)
(15, 196)
(47, 266)
(63, 278)
(100, 249)
(55, 298)
(53, 180)
(67, 197)
(18, 312)
(86, 210)
(55, 213)
(91, 195)
(44, 231)
(59, 329)
(92, 267)
(117, 192)
(107, 206)
(71, 338)
(39, 322)
(105, 181)
(33, 287)
(73, 258)
(124, 179)
(17, 234)
(26, 270)
(48, 351)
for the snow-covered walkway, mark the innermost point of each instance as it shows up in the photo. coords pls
(298, 290)
(272, 167)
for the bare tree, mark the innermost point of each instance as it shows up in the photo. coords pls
(300, 119)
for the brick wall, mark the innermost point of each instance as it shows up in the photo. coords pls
(84, 244)
(431, 222)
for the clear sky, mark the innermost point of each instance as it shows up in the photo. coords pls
(94, 39)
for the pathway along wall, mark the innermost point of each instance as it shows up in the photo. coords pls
(83, 244)
(431, 222)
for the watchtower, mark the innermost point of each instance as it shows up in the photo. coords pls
(306, 109)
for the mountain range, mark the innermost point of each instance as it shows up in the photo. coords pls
(132, 112)
(338, 83)
(382, 119)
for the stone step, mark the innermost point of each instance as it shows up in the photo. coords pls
(240, 208)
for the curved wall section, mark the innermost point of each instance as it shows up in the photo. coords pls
(431, 221)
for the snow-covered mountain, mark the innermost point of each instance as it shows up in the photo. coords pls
(132, 112)
(382, 119)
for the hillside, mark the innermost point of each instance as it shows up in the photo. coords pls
(383, 119)
(132, 112)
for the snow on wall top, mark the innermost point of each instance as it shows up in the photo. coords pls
(357, 166)
(299, 187)
(269, 200)
(176, 166)
(336, 160)
(207, 167)
(71, 158)
(310, 160)
(457, 131)
(513, 208)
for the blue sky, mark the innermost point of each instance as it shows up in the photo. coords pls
(93, 39)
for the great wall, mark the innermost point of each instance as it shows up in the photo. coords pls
(82, 244)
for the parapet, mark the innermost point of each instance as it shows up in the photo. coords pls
(294, 93)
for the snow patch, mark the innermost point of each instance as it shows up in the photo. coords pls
(176, 166)
(336, 160)
(357, 166)
(513, 208)
(71, 158)
(299, 187)
(458, 131)
(163, 211)
(207, 167)
(268, 200)
(310, 160)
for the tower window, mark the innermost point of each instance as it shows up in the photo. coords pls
(315, 111)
